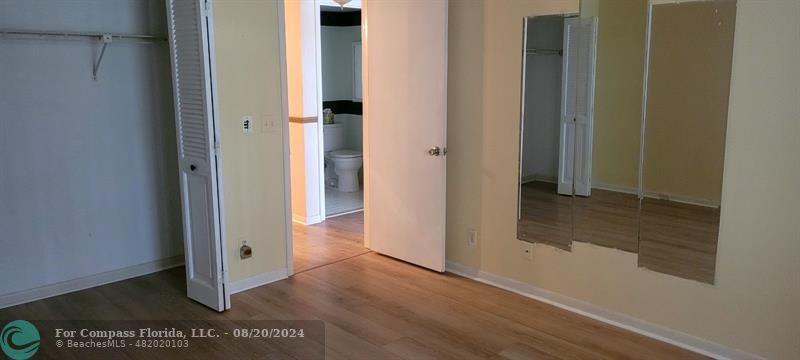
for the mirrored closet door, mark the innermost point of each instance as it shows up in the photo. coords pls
(623, 128)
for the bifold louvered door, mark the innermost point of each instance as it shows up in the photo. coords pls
(191, 71)
(577, 106)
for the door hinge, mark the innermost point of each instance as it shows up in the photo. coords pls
(221, 278)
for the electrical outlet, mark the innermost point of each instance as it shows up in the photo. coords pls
(247, 124)
(472, 241)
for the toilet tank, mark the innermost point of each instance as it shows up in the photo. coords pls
(333, 136)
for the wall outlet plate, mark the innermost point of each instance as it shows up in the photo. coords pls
(472, 240)
(270, 124)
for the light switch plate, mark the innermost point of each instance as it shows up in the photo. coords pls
(247, 124)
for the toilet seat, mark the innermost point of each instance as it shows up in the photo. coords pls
(345, 154)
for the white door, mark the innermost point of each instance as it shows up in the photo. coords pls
(577, 106)
(191, 69)
(405, 66)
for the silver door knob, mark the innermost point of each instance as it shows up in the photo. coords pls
(435, 151)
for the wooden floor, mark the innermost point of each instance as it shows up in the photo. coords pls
(335, 239)
(375, 307)
(669, 237)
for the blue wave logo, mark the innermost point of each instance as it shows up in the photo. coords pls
(19, 340)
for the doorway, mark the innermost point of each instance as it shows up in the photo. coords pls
(334, 135)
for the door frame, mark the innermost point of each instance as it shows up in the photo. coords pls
(323, 214)
(365, 119)
(287, 171)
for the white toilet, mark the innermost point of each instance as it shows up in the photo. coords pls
(341, 165)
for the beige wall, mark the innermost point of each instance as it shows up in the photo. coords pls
(249, 83)
(621, 28)
(754, 304)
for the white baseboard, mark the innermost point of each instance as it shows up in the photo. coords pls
(256, 281)
(311, 220)
(64, 287)
(683, 199)
(535, 177)
(683, 340)
(616, 188)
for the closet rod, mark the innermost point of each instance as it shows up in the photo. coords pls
(67, 34)
(545, 51)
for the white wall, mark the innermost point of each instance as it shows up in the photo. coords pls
(89, 176)
(542, 99)
(337, 61)
(353, 127)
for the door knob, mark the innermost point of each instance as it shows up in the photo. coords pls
(193, 167)
(435, 151)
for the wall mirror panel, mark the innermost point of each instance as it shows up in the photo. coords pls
(624, 111)
(545, 208)
(606, 213)
(686, 120)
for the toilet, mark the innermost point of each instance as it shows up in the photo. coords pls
(341, 165)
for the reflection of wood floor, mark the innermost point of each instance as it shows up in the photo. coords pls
(608, 218)
(546, 217)
(373, 307)
(334, 239)
(671, 237)
(679, 239)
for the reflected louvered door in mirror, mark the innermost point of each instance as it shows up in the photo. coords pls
(191, 68)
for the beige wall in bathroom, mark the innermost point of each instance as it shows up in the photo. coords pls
(753, 304)
(249, 83)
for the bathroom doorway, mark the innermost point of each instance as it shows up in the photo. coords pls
(403, 173)
(327, 139)
(340, 55)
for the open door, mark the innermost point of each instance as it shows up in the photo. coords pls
(577, 106)
(191, 70)
(405, 46)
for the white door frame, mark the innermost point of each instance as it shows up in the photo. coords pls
(365, 119)
(287, 172)
(321, 143)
